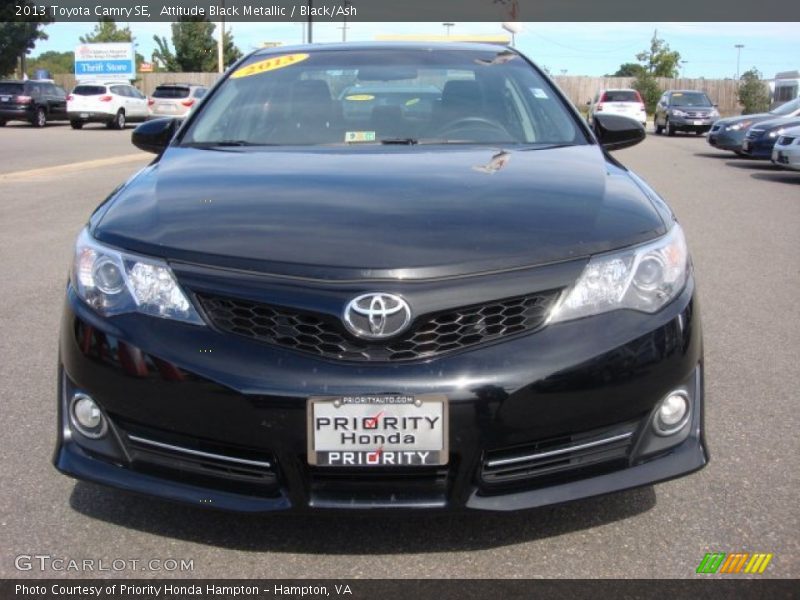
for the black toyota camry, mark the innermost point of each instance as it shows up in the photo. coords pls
(381, 276)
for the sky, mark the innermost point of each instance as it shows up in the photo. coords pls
(569, 48)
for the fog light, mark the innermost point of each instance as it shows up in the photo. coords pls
(672, 413)
(86, 417)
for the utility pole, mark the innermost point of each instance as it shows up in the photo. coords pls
(738, 56)
(310, 23)
(221, 42)
(344, 22)
(447, 26)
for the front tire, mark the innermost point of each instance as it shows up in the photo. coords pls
(76, 124)
(40, 119)
(670, 129)
(659, 128)
(2, 123)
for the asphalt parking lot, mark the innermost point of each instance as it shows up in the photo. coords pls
(742, 219)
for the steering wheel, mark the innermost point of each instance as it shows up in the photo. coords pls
(472, 123)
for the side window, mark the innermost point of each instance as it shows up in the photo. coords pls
(119, 90)
(59, 91)
(199, 92)
(137, 94)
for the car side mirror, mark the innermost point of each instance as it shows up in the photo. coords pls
(154, 136)
(615, 132)
(715, 105)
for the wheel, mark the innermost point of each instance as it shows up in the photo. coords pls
(76, 124)
(670, 129)
(119, 120)
(2, 123)
(659, 128)
(40, 120)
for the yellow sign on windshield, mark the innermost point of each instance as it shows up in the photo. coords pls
(270, 64)
(360, 97)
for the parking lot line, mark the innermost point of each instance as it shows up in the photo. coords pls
(71, 167)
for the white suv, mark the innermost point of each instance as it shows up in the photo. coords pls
(624, 102)
(111, 103)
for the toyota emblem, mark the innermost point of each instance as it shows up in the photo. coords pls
(377, 316)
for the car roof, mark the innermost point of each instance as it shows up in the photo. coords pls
(343, 46)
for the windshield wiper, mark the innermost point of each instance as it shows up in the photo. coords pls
(224, 144)
(407, 141)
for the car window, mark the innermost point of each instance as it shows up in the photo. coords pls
(696, 99)
(89, 90)
(200, 92)
(119, 90)
(171, 91)
(59, 91)
(11, 88)
(358, 96)
(136, 93)
(621, 96)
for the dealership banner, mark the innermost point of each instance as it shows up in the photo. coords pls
(402, 10)
(393, 589)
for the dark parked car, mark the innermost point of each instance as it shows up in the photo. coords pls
(684, 110)
(289, 310)
(728, 134)
(36, 102)
(761, 138)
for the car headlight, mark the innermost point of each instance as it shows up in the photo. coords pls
(738, 126)
(643, 278)
(678, 113)
(114, 282)
(773, 134)
(714, 113)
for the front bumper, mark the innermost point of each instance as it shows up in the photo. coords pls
(787, 157)
(759, 148)
(726, 140)
(691, 124)
(193, 388)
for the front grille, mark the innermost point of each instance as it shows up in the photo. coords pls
(754, 133)
(563, 458)
(430, 335)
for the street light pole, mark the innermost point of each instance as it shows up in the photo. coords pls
(447, 26)
(344, 22)
(221, 42)
(738, 56)
(310, 23)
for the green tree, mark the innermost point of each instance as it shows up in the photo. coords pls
(17, 37)
(55, 62)
(648, 88)
(753, 94)
(628, 70)
(659, 60)
(195, 49)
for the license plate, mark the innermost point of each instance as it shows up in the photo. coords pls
(698, 122)
(5, 98)
(384, 430)
(84, 115)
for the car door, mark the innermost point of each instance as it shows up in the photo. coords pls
(138, 103)
(58, 102)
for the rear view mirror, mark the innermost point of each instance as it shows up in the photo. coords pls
(615, 132)
(154, 136)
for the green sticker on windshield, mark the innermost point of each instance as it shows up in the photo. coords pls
(359, 136)
(412, 102)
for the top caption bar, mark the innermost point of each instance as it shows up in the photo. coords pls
(403, 10)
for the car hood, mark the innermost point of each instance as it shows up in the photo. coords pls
(778, 123)
(755, 118)
(407, 212)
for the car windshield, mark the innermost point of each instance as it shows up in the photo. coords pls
(621, 96)
(164, 91)
(89, 90)
(788, 108)
(371, 96)
(690, 99)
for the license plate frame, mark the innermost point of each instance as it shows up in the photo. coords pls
(392, 415)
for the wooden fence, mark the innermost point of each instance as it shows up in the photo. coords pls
(578, 88)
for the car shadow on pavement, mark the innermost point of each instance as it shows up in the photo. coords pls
(761, 165)
(342, 533)
(728, 155)
(779, 176)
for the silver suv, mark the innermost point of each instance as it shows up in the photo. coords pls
(174, 99)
